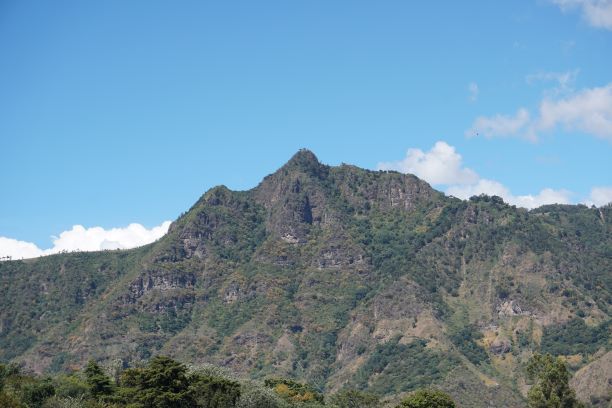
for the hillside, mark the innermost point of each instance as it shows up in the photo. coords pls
(335, 276)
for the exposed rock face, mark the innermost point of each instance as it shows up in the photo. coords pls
(159, 280)
(334, 275)
(510, 308)
(500, 346)
(294, 198)
(336, 256)
(593, 383)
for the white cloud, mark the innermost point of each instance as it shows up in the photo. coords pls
(545, 196)
(483, 186)
(499, 125)
(565, 80)
(473, 90)
(598, 13)
(491, 187)
(18, 249)
(80, 238)
(441, 165)
(588, 111)
(599, 196)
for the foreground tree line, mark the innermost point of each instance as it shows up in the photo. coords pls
(166, 383)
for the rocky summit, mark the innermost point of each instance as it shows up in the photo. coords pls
(337, 276)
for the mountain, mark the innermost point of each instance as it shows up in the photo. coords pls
(338, 276)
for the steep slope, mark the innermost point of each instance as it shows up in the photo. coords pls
(593, 383)
(335, 275)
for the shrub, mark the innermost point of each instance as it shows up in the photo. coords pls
(349, 398)
(427, 398)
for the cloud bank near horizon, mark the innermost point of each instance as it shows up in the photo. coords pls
(84, 239)
(442, 166)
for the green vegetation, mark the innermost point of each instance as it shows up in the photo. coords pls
(331, 276)
(551, 388)
(348, 398)
(427, 398)
(465, 339)
(166, 383)
(293, 391)
(394, 367)
(163, 383)
(51, 291)
(99, 384)
(575, 337)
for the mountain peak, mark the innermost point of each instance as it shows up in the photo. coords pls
(304, 157)
(304, 161)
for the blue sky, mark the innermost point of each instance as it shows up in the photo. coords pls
(121, 112)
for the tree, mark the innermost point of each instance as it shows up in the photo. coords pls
(7, 371)
(254, 395)
(8, 401)
(34, 394)
(162, 384)
(348, 398)
(214, 392)
(427, 398)
(551, 388)
(99, 383)
(293, 391)
(2, 376)
(71, 386)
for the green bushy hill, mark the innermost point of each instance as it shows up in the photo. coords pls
(336, 276)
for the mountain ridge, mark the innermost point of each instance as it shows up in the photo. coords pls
(334, 275)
